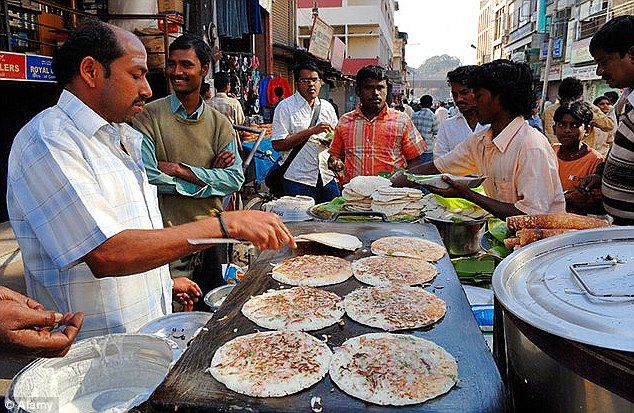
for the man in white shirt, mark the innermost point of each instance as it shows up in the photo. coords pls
(294, 130)
(456, 129)
(441, 112)
(84, 214)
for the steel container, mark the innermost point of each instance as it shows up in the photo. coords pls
(107, 373)
(564, 322)
(460, 238)
(216, 297)
(180, 328)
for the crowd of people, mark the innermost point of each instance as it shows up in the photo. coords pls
(104, 190)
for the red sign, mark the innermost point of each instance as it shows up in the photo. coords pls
(12, 66)
(308, 4)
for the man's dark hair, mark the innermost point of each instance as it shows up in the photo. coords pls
(191, 41)
(371, 72)
(204, 88)
(426, 101)
(442, 104)
(580, 111)
(221, 80)
(461, 74)
(279, 91)
(512, 82)
(570, 89)
(616, 36)
(599, 99)
(305, 65)
(91, 38)
(612, 95)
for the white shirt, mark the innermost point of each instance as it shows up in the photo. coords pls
(442, 114)
(452, 132)
(293, 115)
(70, 188)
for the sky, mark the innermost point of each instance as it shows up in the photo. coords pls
(436, 27)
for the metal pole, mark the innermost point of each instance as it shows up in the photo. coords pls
(549, 56)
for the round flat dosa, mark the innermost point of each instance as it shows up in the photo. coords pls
(411, 247)
(271, 364)
(366, 185)
(334, 239)
(312, 270)
(383, 270)
(393, 369)
(297, 308)
(394, 307)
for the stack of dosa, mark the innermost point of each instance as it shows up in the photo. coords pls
(374, 193)
(392, 201)
(531, 228)
(357, 192)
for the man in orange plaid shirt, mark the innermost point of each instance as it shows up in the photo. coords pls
(374, 138)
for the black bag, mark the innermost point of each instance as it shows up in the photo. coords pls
(275, 177)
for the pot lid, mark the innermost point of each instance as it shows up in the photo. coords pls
(578, 285)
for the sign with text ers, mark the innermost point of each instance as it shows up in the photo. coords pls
(18, 66)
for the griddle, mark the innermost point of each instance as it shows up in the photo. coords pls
(189, 388)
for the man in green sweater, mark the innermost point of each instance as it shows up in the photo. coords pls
(189, 150)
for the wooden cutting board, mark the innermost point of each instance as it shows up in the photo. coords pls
(189, 388)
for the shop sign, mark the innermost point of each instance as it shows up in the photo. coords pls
(338, 53)
(553, 74)
(320, 39)
(38, 68)
(12, 66)
(584, 73)
(581, 52)
(518, 57)
(18, 66)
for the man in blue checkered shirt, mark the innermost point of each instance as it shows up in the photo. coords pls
(427, 124)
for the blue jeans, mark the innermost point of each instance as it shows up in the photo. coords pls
(427, 157)
(320, 193)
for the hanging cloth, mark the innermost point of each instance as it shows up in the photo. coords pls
(255, 17)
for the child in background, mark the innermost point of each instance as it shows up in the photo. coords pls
(576, 159)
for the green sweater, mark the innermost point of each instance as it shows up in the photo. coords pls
(195, 143)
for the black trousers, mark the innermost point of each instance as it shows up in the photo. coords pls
(207, 271)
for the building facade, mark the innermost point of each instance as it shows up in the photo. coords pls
(520, 30)
(366, 27)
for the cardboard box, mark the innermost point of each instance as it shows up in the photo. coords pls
(171, 5)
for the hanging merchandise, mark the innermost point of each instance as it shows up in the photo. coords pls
(236, 18)
(276, 81)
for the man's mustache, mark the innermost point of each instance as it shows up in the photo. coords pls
(139, 100)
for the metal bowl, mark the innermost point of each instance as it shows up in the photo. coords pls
(460, 238)
(106, 373)
(177, 327)
(216, 297)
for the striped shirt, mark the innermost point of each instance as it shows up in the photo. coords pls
(520, 165)
(618, 175)
(427, 124)
(71, 186)
(383, 144)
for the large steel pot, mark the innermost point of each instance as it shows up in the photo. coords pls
(564, 342)
(460, 238)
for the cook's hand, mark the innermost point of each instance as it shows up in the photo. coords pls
(455, 190)
(27, 331)
(264, 229)
(321, 127)
(590, 183)
(224, 160)
(169, 168)
(399, 180)
(186, 292)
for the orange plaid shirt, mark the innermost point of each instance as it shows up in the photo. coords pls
(383, 144)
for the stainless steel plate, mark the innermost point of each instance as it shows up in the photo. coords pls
(216, 297)
(107, 373)
(177, 327)
(536, 284)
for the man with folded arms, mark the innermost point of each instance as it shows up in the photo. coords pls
(518, 161)
(374, 138)
(84, 214)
